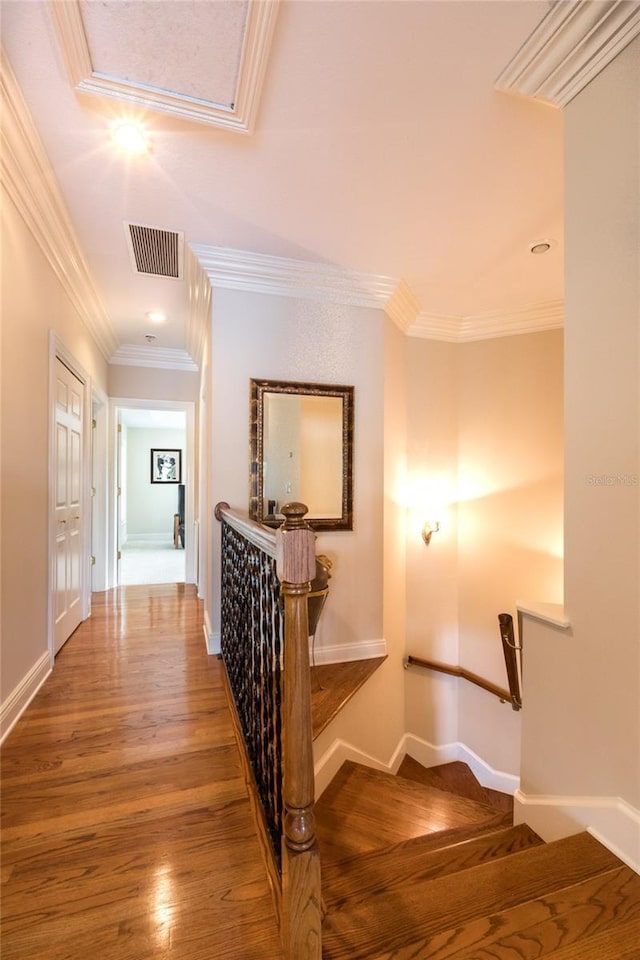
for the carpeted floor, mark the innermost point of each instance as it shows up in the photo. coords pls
(151, 562)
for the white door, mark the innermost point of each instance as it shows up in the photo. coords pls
(67, 585)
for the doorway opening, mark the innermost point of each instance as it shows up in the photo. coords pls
(153, 535)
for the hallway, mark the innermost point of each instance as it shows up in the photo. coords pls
(127, 832)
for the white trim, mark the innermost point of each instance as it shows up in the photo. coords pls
(136, 355)
(31, 184)
(259, 273)
(58, 351)
(424, 752)
(486, 326)
(148, 538)
(211, 638)
(430, 755)
(402, 307)
(346, 652)
(569, 47)
(22, 695)
(611, 820)
(552, 613)
(115, 405)
(199, 309)
(239, 116)
(100, 499)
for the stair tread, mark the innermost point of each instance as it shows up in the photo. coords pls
(354, 813)
(428, 908)
(455, 777)
(406, 863)
(596, 919)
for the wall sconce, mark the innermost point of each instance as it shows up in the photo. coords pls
(430, 527)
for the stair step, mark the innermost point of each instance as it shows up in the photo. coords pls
(596, 919)
(455, 777)
(439, 912)
(410, 862)
(364, 809)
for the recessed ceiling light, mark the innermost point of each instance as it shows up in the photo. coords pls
(541, 246)
(130, 137)
(156, 316)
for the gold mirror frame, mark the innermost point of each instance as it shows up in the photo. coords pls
(256, 445)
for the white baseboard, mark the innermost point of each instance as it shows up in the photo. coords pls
(20, 698)
(425, 753)
(211, 638)
(429, 756)
(345, 652)
(611, 820)
(148, 538)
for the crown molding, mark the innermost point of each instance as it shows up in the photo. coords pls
(133, 355)
(260, 273)
(487, 326)
(240, 116)
(402, 307)
(30, 182)
(569, 47)
(198, 307)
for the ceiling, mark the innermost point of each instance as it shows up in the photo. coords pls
(362, 136)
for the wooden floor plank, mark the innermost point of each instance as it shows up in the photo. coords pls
(127, 830)
(597, 919)
(386, 922)
(353, 813)
(334, 684)
(455, 777)
(393, 868)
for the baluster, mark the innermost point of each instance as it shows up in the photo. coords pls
(301, 921)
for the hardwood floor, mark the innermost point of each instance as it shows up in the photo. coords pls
(127, 830)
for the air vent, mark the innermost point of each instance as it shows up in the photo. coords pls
(154, 252)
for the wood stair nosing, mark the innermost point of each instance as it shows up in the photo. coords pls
(597, 919)
(455, 777)
(352, 815)
(426, 908)
(409, 862)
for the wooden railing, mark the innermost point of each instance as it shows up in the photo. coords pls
(265, 648)
(510, 648)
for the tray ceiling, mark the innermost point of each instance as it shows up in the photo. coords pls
(200, 61)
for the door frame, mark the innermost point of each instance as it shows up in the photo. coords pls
(116, 404)
(99, 491)
(59, 351)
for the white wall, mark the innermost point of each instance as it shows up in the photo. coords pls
(485, 450)
(510, 515)
(33, 303)
(151, 383)
(150, 506)
(283, 338)
(582, 732)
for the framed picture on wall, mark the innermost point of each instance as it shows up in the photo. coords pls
(166, 466)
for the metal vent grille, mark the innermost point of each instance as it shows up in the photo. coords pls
(155, 252)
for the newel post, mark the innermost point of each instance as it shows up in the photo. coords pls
(301, 894)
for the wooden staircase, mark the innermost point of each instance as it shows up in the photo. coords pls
(427, 865)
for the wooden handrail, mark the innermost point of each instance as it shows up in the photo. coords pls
(511, 650)
(255, 533)
(454, 671)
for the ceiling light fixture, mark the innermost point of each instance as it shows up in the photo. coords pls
(541, 246)
(156, 316)
(130, 137)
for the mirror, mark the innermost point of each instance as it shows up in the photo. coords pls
(301, 438)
